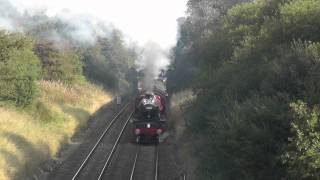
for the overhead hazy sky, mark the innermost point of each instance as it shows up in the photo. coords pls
(142, 20)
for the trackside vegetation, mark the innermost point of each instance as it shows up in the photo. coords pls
(255, 67)
(19, 69)
(50, 84)
(32, 135)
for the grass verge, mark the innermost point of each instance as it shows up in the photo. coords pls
(185, 141)
(31, 136)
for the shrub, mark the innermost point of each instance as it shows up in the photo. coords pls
(19, 69)
(302, 156)
(59, 65)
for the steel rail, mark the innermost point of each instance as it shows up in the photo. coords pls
(134, 164)
(98, 142)
(156, 164)
(184, 176)
(114, 148)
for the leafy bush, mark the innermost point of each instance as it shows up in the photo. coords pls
(19, 69)
(58, 65)
(302, 156)
(260, 57)
(109, 62)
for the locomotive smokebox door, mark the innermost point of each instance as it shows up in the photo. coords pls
(118, 99)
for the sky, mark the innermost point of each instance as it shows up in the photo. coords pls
(141, 20)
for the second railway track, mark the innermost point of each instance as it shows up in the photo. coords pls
(95, 162)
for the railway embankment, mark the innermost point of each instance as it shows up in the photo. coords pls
(29, 138)
(184, 142)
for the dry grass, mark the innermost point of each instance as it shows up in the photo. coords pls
(185, 141)
(85, 95)
(177, 102)
(29, 138)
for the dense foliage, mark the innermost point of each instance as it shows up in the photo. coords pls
(60, 49)
(19, 69)
(109, 61)
(58, 65)
(68, 52)
(255, 69)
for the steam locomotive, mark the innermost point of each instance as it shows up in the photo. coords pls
(150, 116)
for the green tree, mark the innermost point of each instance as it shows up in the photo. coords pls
(302, 156)
(59, 65)
(109, 62)
(19, 69)
(249, 65)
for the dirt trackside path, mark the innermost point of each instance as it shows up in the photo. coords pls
(183, 142)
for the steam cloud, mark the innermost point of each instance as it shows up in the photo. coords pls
(79, 28)
(152, 60)
(7, 13)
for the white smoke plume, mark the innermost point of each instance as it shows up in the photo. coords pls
(152, 60)
(6, 23)
(84, 28)
(7, 13)
(81, 28)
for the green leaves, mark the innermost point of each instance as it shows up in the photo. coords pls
(248, 69)
(59, 65)
(300, 19)
(302, 154)
(109, 62)
(19, 69)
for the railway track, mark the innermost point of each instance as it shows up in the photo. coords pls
(145, 163)
(102, 147)
(113, 149)
(138, 160)
(114, 156)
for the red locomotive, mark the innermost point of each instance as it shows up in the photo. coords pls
(150, 116)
